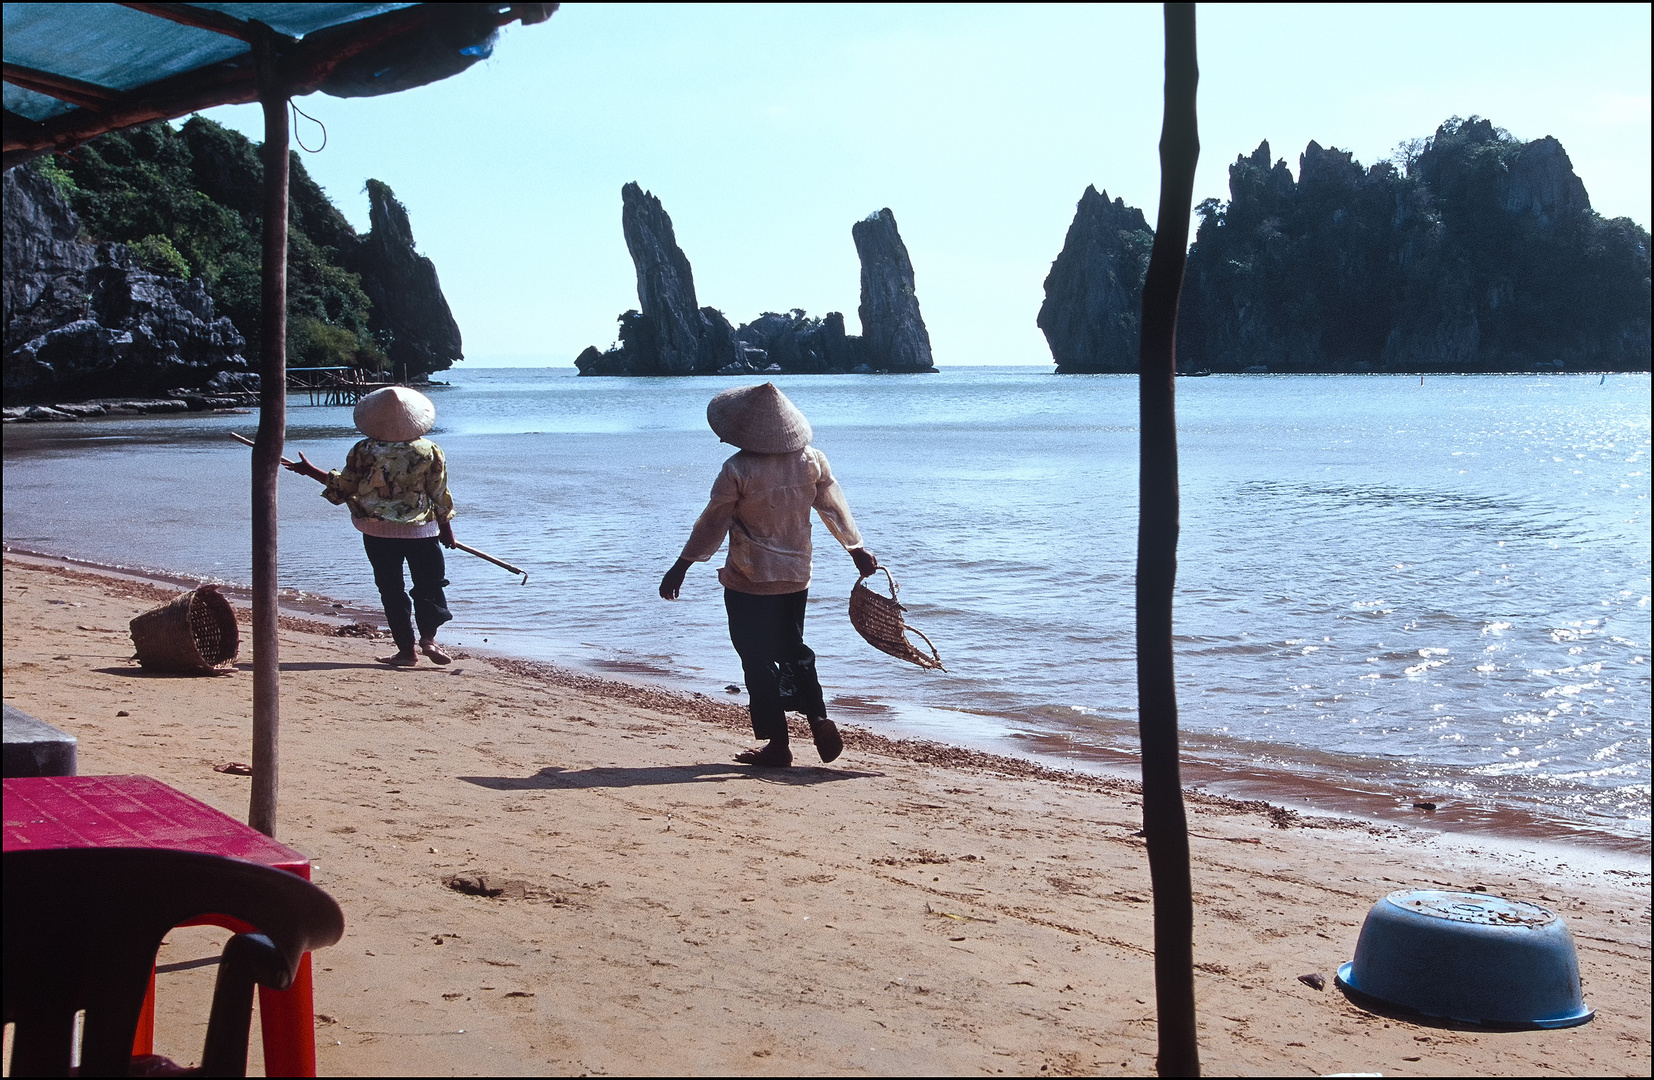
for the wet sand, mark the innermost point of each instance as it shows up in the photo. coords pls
(912, 908)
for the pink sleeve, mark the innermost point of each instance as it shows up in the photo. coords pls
(713, 525)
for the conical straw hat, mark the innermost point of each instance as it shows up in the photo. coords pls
(395, 414)
(760, 419)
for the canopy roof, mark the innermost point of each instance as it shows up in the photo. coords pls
(75, 71)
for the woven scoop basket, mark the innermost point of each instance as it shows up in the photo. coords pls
(879, 619)
(194, 633)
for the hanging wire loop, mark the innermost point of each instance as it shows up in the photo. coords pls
(300, 112)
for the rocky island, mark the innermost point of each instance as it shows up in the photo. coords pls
(132, 269)
(669, 333)
(1473, 252)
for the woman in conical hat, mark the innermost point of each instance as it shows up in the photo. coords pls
(395, 482)
(762, 501)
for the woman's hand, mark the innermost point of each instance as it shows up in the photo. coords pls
(445, 533)
(304, 468)
(866, 561)
(672, 583)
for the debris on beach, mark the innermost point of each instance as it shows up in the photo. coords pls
(494, 887)
(919, 856)
(234, 768)
(956, 916)
(1314, 980)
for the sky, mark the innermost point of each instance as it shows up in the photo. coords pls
(767, 131)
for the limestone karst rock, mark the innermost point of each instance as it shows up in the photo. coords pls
(85, 319)
(1094, 292)
(410, 315)
(187, 203)
(720, 345)
(665, 284)
(894, 337)
(667, 334)
(42, 241)
(1471, 251)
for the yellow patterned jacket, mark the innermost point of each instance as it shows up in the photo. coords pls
(393, 489)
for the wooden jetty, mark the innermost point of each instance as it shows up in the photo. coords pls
(335, 385)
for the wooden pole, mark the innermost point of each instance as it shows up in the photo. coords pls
(272, 433)
(1164, 823)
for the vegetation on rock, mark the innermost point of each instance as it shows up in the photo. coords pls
(195, 191)
(1471, 251)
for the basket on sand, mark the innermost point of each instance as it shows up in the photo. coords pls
(194, 633)
(879, 620)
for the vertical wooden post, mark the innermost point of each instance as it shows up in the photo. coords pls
(1164, 823)
(272, 433)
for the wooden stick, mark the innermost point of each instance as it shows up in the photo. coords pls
(249, 442)
(462, 547)
(497, 562)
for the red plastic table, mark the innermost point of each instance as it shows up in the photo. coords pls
(139, 811)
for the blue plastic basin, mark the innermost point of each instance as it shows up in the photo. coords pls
(1469, 957)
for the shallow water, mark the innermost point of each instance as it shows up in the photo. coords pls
(1437, 591)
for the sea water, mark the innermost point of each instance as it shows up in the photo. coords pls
(1420, 589)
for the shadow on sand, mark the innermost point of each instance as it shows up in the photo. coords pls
(1384, 1010)
(309, 665)
(656, 775)
(149, 673)
(321, 665)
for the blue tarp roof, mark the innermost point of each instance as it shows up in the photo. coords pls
(74, 71)
(119, 48)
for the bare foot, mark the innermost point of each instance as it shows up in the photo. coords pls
(434, 651)
(404, 658)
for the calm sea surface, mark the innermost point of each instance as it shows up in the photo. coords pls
(1417, 591)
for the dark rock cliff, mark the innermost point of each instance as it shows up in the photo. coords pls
(186, 202)
(1093, 295)
(1475, 251)
(668, 334)
(894, 337)
(671, 334)
(665, 284)
(85, 319)
(410, 318)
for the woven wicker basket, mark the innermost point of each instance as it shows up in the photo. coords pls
(879, 620)
(195, 633)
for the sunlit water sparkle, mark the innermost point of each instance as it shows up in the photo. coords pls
(1443, 586)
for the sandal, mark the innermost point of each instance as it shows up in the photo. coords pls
(401, 659)
(829, 743)
(776, 757)
(432, 650)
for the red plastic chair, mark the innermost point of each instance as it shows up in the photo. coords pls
(82, 928)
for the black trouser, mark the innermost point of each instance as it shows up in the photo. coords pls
(768, 633)
(428, 605)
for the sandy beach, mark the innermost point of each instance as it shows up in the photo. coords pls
(911, 909)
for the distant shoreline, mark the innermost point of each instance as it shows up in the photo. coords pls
(138, 407)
